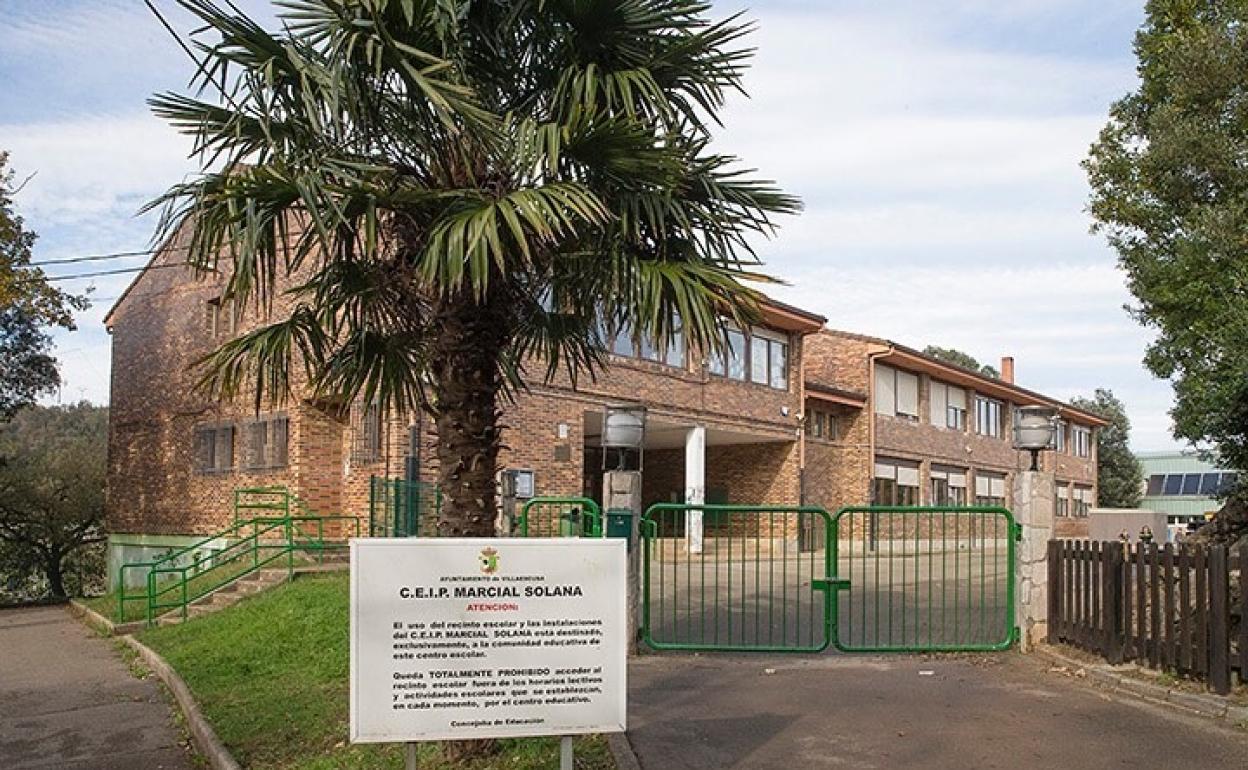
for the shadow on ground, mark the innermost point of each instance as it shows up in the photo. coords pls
(710, 712)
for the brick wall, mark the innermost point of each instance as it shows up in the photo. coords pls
(842, 470)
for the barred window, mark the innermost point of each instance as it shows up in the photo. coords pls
(365, 433)
(267, 442)
(214, 448)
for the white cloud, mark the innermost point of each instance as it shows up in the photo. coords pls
(93, 166)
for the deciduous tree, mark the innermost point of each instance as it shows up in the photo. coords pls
(1168, 191)
(28, 306)
(52, 462)
(1120, 476)
(964, 360)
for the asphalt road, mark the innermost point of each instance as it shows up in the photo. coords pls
(68, 701)
(716, 712)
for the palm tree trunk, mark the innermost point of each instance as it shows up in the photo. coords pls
(471, 337)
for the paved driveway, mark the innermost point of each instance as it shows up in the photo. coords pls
(836, 711)
(68, 701)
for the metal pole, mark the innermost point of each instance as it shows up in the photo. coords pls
(565, 753)
(410, 756)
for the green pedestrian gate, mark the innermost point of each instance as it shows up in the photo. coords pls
(879, 579)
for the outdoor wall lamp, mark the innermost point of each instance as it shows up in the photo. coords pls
(1035, 428)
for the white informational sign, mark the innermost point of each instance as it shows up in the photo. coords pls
(459, 639)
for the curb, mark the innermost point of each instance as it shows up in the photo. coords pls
(100, 622)
(622, 752)
(205, 738)
(1118, 679)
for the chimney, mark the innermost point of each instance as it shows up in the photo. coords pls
(1007, 369)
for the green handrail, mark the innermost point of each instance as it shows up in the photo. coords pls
(181, 577)
(590, 520)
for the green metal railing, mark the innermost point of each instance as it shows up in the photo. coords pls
(401, 508)
(751, 589)
(258, 502)
(178, 579)
(924, 579)
(269, 540)
(560, 517)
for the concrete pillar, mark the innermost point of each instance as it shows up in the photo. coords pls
(1035, 498)
(695, 485)
(622, 489)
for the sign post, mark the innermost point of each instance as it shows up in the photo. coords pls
(463, 639)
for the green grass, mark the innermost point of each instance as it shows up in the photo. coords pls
(271, 674)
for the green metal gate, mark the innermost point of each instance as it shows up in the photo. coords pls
(873, 579)
(930, 579)
(750, 589)
(560, 517)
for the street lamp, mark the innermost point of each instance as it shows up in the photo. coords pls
(1034, 430)
(624, 430)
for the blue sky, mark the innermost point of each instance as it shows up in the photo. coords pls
(936, 146)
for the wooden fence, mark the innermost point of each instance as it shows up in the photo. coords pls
(1177, 608)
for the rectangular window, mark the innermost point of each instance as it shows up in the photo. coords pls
(626, 342)
(365, 433)
(1063, 500)
(1156, 483)
(1191, 484)
(896, 392)
(1082, 501)
(758, 359)
(220, 319)
(989, 488)
(821, 424)
(1081, 437)
(736, 355)
(779, 358)
(266, 443)
(988, 414)
(1209, 484)
(1174, 484)
(214, 448)
(761, 357)
(896, 482)
(948, 486)
(1059, 436)
(948, 406)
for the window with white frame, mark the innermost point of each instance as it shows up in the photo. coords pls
(1059, 436)
(214, 448)
(1063, 500)
(761, 357)
(1081, 438)
(948, 485)
(989, 488)
(989, 416)
(896, 482)
(896, 392)
(266, 445)
(948, 406)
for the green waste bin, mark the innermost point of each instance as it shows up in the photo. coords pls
(620, 524)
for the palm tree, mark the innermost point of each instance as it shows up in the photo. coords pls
(463, 188)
